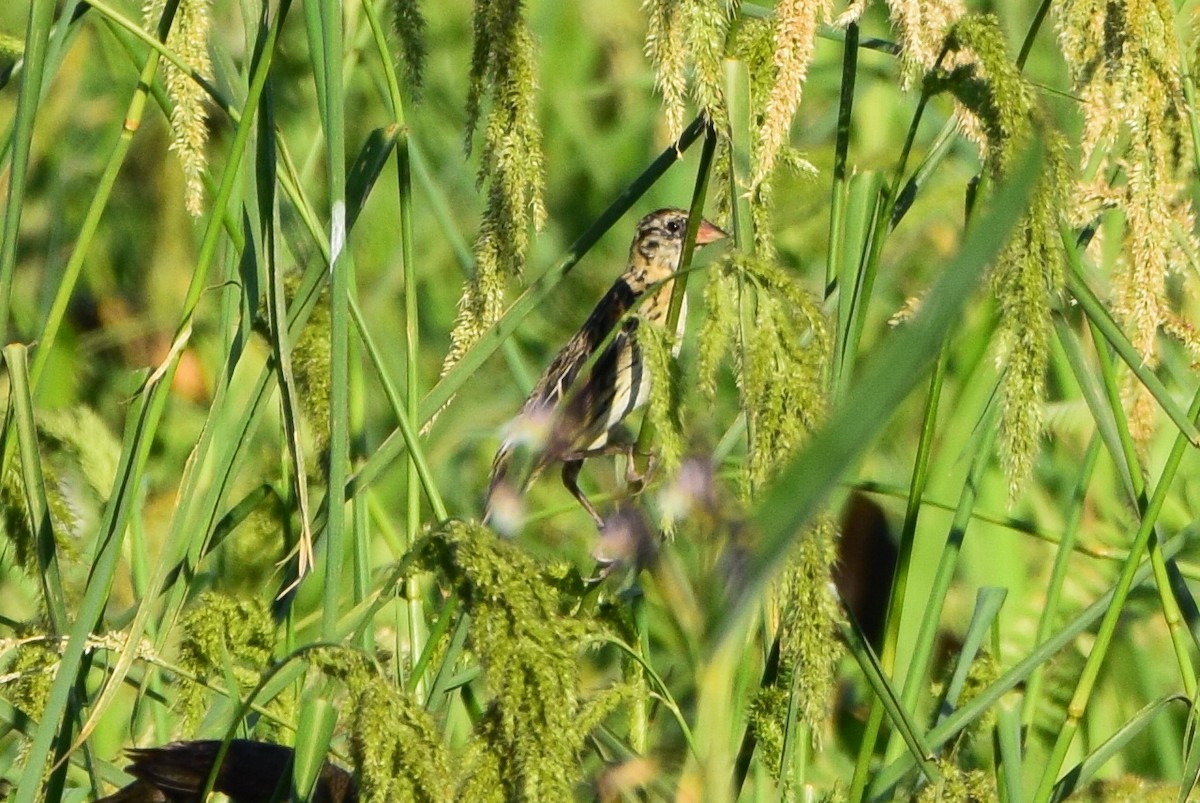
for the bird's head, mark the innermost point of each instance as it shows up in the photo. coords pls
(658, 243)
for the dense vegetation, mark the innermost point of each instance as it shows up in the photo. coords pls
(256, 257)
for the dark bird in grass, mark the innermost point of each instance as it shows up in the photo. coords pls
(251, 772)
(568, 418)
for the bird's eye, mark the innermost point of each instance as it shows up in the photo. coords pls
(673, 226)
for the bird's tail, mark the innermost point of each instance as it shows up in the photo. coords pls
(497, 480)
(514, 468)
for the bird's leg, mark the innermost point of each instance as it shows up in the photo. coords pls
(570, 477)
(638, 480)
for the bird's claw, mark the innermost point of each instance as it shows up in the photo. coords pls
(636, 480)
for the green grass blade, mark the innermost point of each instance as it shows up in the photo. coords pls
(865, 206)
(16, 358)
(1080, 774)
(1191, 767)
(919, 749)
(1007, 741)
(1099, 315)
(1058, 575)
(312, 743)
(37, 38)
(987, 607)
(954, 724)
(801, 487)
(330, 38)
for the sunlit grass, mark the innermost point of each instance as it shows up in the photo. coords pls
(190, 401)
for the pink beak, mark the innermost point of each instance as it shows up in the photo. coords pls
(708, 233)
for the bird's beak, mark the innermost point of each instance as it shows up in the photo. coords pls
(708, 233)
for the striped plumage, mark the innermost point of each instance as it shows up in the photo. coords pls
(581, 418)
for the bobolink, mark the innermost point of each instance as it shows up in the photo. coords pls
(577, 418)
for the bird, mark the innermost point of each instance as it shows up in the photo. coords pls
(576, 417)
(250, 772)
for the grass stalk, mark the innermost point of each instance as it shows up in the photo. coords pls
(1108, 625)
(1058, 576)
(922, 653)
(891, 635)
(37, 38)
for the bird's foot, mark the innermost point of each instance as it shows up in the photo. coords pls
(636, 480)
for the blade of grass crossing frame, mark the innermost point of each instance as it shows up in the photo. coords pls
(37, 38)
(281, 347)
(864, 206)
(1083, 772)
(329, 36)
(16, 359)
(801, 486)
(909, 731)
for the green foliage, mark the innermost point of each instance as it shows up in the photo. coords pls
(780, 361)
(1138, 142)
(11, 49)
(794, 43)
(809, 647)
(959, 786)
(396, 749)
(475, 668)
(310, 368)
(773, 87)
(76, 443)
(223, 638)
(511, 164)
(528, 648)
(188, 36)
(28, 675)
(692, 31)
(665, 406)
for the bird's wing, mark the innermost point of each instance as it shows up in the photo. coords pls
(558, 378)
(615, 387)
(249, 771)
(557, 381)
